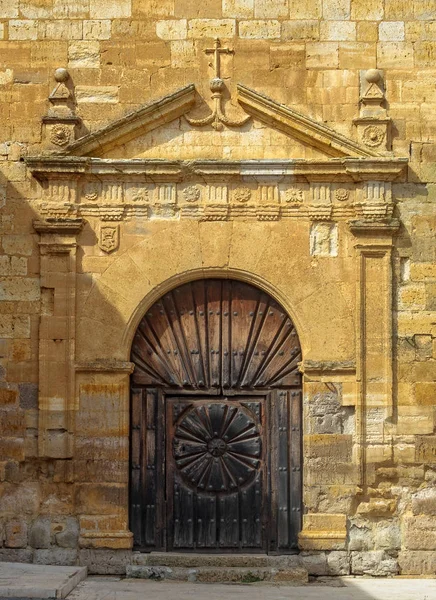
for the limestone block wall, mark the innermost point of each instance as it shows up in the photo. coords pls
(307, 55)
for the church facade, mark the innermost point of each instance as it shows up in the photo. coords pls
(218, 282)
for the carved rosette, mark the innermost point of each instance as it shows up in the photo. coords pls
(217, 447)
(373, 136)
(191, 193)
(60, 134)
(294, 196)
(342, 194)
(242, 195)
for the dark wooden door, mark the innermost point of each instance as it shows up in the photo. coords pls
(216, 475)
(211, 355)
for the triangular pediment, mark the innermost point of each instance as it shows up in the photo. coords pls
(275, 131)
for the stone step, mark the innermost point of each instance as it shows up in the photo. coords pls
(220, 574)
(192, 560)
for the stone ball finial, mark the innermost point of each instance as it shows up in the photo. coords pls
(61, 75)
(372, 75)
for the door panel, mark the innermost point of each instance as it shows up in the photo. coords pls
(216, 422)
(216, 477)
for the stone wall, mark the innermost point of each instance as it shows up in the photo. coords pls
(307, 55)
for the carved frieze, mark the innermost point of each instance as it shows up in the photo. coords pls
(111, 192)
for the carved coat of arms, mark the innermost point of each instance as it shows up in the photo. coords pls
(109, 238)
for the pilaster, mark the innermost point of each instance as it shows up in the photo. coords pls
(374, 408)
(57, 336)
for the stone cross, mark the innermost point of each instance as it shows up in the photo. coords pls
(217, 51)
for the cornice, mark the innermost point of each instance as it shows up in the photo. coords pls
(299, 126)
(59, 226)
(136, 123)
(370, 228)
(347, 169)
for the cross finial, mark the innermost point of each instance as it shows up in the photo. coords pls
(217, 118)
(217, 51)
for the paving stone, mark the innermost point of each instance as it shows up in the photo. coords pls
(36, 581)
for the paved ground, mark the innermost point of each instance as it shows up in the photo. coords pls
(38, 581)
(347, 588)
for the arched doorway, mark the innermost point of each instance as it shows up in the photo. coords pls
(216, 422)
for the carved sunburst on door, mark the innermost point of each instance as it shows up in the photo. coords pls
(216, 333)
(217, 447)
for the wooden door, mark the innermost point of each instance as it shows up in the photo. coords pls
(217, 488)
(207, 351)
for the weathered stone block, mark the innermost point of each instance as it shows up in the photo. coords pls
(387, 535)
(20, 245)
(110, 9)
(334, 446)
(84, 54)
(300, 30)
(338, 563)
(40, 533)
(360, 535)
(424, 502)
(413, 562)
(377, 507)
(391, 31)
(66, 533)
(183, 54)
(338, 31)
(8, 9)
(16, 534)
(97, 29)
(103, 562)
(97, 94)
(56, 556)
(376, 563)
(310, 9)
(259, 29)
(100, 498)
(198, 28)
(369, 10)
(315, 563)
(419, 533)
(322, 55)
(28, 395)
(238, 8)
(425, 393)
(8, 397)
(172, 29)
(20, 499)
(336, 10)
(16, 555)
(271, 9)
(391, 55)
